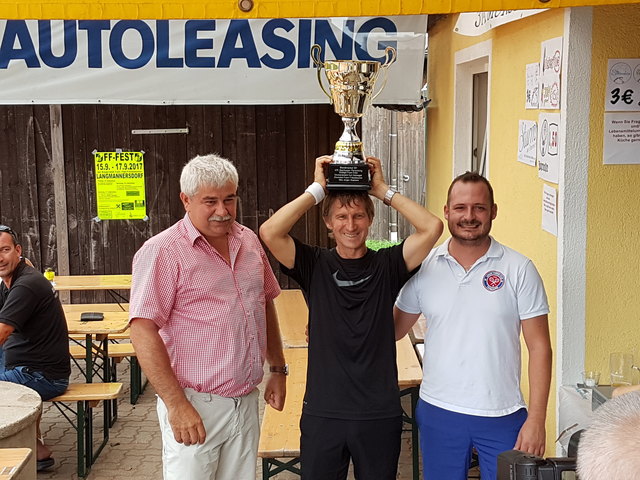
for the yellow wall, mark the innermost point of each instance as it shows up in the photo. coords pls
(518, 190)
(613, 209)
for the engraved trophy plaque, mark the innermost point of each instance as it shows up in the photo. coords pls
(351, 85)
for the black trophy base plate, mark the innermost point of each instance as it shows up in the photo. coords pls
(348, 176)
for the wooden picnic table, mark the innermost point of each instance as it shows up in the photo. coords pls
(92, 282)
(280, 432)
(95, 307)
(97, 346)
(109, 283)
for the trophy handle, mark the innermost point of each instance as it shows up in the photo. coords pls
(390, 57)
(315, 56)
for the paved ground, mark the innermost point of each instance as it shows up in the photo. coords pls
(134, 448)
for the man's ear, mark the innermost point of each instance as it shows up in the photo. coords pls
(446, 212)
(494, 211)
(185, 200)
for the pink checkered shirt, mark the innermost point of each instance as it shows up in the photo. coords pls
(211, 315)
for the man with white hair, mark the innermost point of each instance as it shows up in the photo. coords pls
(202, 323)
(610, 448)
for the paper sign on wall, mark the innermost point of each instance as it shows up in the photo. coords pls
(550, 67)
(623, 85)
(527, 142)
(533, 80)
(548, 147)
(621, 135)
(621, 138)
(120, 188)
(549, 209)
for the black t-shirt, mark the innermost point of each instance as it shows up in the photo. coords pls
(40, 339)
(352, 371)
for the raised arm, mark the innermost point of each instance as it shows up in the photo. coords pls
(428, 227)
(275, 231)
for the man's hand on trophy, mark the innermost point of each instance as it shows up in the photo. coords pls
(319, 175)
(378, 186)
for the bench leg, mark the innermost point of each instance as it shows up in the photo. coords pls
(83, 439)
(271, 467)
(137, 386)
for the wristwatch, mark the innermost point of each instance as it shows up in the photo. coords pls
(388, 196)
(284, 369)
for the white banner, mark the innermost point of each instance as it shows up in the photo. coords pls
(239, 61)
(473, 24)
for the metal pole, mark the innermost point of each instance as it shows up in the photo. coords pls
(393, 174)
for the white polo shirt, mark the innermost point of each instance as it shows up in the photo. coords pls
(472, 347)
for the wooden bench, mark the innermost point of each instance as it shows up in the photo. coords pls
(293, 316)
(95, 307)
(117, 352)
(13, 461)
(114, 337)
(87, 396)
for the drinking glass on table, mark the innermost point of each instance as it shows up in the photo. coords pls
(620, 368)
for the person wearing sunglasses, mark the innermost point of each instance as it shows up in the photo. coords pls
(33, 331)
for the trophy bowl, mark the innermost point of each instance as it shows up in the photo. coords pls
(351, 91)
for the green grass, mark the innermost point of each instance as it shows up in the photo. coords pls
(378, 244)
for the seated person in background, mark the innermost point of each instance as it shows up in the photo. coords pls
(610, 448)
(33, 331)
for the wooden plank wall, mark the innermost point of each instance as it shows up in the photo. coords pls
(273, 147)
(26, 183)
(402, 138)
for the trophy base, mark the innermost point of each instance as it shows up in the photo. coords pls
(348, 176)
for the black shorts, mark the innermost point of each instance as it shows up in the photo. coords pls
(327, 445)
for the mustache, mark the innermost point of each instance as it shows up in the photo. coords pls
(469, 224)
(218, 218)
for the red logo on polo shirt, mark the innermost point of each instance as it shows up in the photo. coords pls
(493, 280)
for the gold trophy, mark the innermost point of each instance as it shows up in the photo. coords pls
(351, 85)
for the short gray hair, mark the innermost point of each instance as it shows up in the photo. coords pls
(610, 447)
(207, 170)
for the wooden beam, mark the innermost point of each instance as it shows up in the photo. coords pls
(60, 192)
(220, 9)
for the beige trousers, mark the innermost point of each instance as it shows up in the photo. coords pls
(231, 445)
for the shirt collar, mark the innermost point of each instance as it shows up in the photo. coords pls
(495, 250)
(193, 233)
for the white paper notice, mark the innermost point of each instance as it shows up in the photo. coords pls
(527, 142)
(548, 151)
(533, 80)
(621, 138)
(550, 66)
(623, 85)
(549, 209)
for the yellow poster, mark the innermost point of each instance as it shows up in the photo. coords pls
(120, 185)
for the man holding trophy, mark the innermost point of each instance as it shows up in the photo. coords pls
(351, 408)
(352, 403)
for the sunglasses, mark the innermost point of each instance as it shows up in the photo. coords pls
(9, 230)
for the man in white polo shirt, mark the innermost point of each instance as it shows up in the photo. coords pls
(477, 295)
